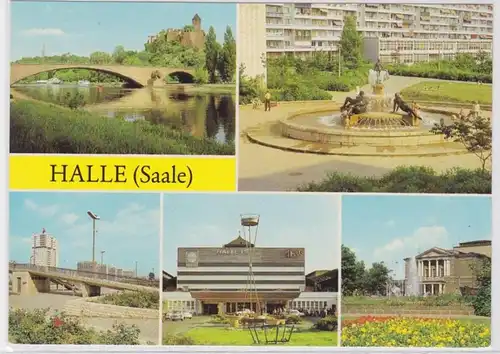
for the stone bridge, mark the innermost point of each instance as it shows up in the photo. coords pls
(136, 75)
(31, 279)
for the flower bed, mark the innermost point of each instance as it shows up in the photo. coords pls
(370, 331)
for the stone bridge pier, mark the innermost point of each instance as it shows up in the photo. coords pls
(25, 283)
(90, 290)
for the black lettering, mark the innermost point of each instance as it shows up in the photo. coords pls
(56, 173)
(77, 173)
(145, 173)
(120, 172)
(90, 168)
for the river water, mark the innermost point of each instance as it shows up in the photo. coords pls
(181, 107)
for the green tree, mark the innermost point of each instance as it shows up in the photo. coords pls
(376, 279)
(474, 133)
(212, 52)
(100, 58)
(482, 300)
(351, 43)
(352, 272)
(119, 54)
(227, 59)
(201, 76)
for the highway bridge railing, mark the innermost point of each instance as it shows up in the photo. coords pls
(82, 273)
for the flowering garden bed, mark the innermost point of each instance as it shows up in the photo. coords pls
(372, 331)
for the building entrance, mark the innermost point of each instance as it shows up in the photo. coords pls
(210, 309)
(275, 306)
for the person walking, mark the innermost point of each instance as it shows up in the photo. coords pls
(267, 101)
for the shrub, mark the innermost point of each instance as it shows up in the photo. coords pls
(413, 332)
(37, 327)
(44, 128)
(177, 339)
(219, 319)
(403, 179)
(293, 319)
(138, 299)
(201, 76)
(328, 323)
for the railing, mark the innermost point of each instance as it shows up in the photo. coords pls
(82, 273)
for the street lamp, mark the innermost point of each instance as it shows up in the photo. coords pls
(136, 269)
(102, 257)
(94, 217)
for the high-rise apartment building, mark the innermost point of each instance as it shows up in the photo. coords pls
(44, 250)
(405, 33)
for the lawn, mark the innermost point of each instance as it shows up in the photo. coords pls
(449, 92)
(232, 336)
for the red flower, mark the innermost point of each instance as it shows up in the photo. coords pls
(57, 322)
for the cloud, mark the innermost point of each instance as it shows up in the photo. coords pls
(422, 239)
(43, 210)
(69, 218)
(32, 32)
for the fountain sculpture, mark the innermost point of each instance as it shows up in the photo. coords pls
(378, 113)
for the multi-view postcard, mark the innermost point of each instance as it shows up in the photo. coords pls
(83, 81)
(365, 97)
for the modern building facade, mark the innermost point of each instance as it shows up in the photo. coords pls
(44, 250)
(405, 33)
(448, 271)
(212, 280)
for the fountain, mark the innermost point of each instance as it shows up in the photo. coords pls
(377, 132)
(413, 283)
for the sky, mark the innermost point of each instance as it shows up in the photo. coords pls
(84, 27)
(391, 228)
(286, 220)
(129, 229)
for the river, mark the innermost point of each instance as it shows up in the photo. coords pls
(195, 110)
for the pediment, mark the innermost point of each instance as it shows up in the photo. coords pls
(434, 252)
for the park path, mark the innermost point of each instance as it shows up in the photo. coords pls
(267, 169)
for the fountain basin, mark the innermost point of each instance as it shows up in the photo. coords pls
(369, 129)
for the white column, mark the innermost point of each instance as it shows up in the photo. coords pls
(448, 262)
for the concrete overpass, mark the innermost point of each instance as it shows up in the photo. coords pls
(29, 279)
(137, 75)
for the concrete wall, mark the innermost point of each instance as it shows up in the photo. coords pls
(90, 308)
(251, 39)
(26, 284)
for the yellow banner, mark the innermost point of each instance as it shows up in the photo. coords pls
(127, 173)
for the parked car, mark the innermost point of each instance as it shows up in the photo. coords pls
(187, 315)
(293, 312)
(176, 316)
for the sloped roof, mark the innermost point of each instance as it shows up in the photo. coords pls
(239, 242)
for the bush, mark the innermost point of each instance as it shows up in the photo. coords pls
(138, 299)
(293, 319)
(201, 76)
(465, 67)
(177, 339)
(219, 319)
(329, 323)
(43, 128)
(413, 179)
(37, 327)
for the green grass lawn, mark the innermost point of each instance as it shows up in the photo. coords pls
(449, 92)
(232, 336)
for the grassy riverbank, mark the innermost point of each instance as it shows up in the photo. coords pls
(50, 129)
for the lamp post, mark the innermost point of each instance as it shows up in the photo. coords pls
(136, 269)
(102, 257)
(94, 217)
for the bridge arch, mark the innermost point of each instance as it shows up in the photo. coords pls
(39, 69)
(182, 77)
